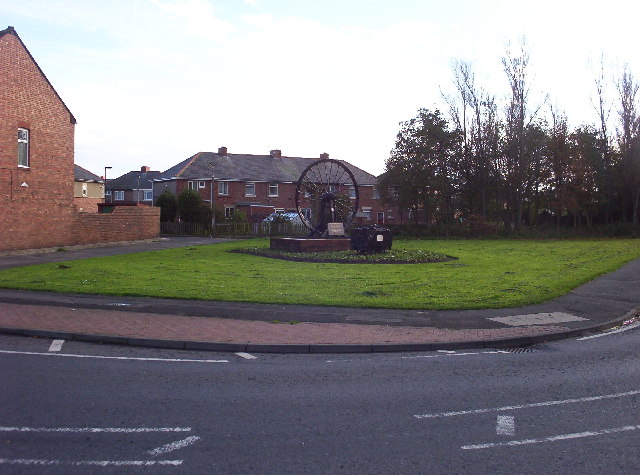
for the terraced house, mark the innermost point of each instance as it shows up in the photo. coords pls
(258, 184)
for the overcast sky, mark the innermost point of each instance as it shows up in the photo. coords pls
(152, 82)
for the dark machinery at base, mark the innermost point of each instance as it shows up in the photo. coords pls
(371, 239)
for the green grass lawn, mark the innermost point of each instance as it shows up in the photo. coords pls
(487, 274)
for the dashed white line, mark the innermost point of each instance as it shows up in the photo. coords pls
(555, 438)
(56, 345)
(178, 444)
(96, 463)
(119, 430)
(246, 356)
(613, 332)
(506, 425)
(448, 354)
(68, 355)
(526, 406)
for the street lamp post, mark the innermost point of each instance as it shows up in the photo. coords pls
(213, 210)
(105, 183)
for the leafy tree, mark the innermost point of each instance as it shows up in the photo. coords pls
(420, 173)
(190, 206)
(168, 203)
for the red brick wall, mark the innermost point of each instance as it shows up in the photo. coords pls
(125, 223)
(42, 213)
(87, 205)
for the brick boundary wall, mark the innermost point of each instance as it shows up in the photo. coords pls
(87, 205)
(67, 227)
(125, 223)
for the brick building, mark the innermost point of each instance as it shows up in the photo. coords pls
(88, 190)
(259, 184)
(132, 187)
(36, 164)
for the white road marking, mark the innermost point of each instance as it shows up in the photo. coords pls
(506, 425)
(537, 319)
(526, 406)
(178, 444)
(446, 354)
(56, 345)
(555, 438)
(612, 332)
(119, 430)
(246, 356)
(68, 355)
(97, 463)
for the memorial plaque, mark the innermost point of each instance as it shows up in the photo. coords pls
(335, 229)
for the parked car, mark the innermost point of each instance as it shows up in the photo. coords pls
(291, 217)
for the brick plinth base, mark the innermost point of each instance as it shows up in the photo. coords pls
(310, 245)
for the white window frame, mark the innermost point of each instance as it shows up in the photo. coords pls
(107, 193)
(375, 194)
(23, 145)
(148, 195)
(367, 211)
(223, 188)
(352, 192)
(247, 186)
(228, 212)
(118, 195)
(201, 184)
(193, 185)
(271, 187)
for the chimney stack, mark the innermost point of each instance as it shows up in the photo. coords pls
(324, 155)
(276, 153)
(145, 169)
(222, 151)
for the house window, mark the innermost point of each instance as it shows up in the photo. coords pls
(201, 184)
(107, 193)
(193, 185)
(84, 190)
(273, 189)
(23, 148)
(306, 212)
(148, 195)
(367, 213)
(411, 213)
(250, 189)
(352, 192)
(228, 212)
(223, 187)
(376, 194)
(119, 195)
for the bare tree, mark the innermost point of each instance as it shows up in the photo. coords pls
(628, 135)
(603, 109)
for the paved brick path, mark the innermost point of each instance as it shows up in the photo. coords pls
(168, 327)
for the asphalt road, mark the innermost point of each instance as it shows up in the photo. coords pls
(566, 407)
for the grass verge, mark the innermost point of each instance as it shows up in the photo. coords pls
(487, 274)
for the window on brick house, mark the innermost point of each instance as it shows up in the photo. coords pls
(376, 194)
(23, 147)
(250, 189)
(273, 189)
(223, 187)
(228, 212)
(148, 195)
(352, 192)
(193, 185)
(118, 195)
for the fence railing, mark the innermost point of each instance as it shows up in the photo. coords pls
(234, 229)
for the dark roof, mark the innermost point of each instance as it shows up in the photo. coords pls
(129, 181)
(244, 167)
(81, 174)
(11, 31)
